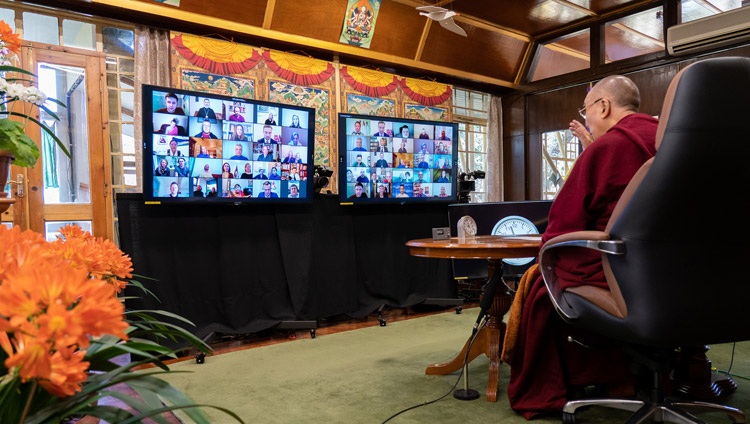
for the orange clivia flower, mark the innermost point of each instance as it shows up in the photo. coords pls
(53, 300)
(99, 256)
(67, 374)
(31, 357)
(12, 40)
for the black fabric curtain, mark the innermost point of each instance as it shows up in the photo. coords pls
(243, 269)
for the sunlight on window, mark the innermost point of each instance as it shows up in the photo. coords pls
(470, 112)
(559, 151)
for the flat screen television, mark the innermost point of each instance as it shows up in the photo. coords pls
(207, 148)
(396, 160)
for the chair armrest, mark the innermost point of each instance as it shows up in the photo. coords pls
(594, 240)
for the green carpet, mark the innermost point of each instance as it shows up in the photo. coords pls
(367, 375)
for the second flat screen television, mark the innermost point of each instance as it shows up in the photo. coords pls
(395, 160)
(206, 148)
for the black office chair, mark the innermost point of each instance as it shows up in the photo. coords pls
(676, 248)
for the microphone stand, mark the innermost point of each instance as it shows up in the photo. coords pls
(488, 295)
(466, 393)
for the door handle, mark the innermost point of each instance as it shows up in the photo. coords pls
(19, 185)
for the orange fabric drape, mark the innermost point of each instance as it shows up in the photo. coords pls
(428, 93)
(368, 82)
(298, 69)
(216, 56)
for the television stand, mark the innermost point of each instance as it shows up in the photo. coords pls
(430, 301)
(440, 301)
(298, 325)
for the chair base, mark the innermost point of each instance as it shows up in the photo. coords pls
(647, 411)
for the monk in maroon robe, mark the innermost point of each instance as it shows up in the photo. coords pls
(545, 366)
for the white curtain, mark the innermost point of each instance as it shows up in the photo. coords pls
(494, 177)
(151, 67)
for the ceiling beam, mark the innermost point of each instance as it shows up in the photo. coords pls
(474, 21)
(423, 39)
(159, 10)
(268, 16)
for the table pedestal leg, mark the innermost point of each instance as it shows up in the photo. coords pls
(487, 342)
(694, 379)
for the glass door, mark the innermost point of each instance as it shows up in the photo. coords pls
(62, 190)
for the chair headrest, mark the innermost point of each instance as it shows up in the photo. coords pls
(713, 89)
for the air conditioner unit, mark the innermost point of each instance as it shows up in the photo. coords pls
(718, 30)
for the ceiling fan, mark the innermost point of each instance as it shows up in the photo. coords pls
(443, 16)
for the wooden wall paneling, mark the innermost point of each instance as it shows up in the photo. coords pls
(321, 20)
(653, 84)
(514, 151)
(398, 30)
(514, 129)
(514, 113)
(248, 12)
(492, 47)
(533, 186)
(554, 110)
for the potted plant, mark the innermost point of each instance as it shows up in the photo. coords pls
(62, 323)
(18, 98)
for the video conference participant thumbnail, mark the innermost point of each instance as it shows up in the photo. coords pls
(167, 187)
(168, 102)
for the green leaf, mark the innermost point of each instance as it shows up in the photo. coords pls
(14, 139)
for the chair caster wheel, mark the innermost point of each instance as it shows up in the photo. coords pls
(200, 358)
(312, 333)
(382, 322)
(568, 418)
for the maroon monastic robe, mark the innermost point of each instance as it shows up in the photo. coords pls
(545, 365)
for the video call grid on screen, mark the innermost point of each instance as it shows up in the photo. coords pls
(396, 160)
(206, 148)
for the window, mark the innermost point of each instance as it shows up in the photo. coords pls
(563, 55)
(119, 46)
(470, 112)
(697, 9)
(634, 35)
(560, 149)
(79, 34)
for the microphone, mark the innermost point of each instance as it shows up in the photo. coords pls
(488, 295)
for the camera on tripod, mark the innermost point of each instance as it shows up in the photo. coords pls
(321, 178)
(466, 184)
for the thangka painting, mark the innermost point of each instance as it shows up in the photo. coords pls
(316, 98)
(428, 113)
(196, 80)
(365, 105)
(359, 22)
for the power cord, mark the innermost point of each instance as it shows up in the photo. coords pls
(474, 333)
(728, 372)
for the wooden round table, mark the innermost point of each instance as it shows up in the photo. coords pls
(494, 249)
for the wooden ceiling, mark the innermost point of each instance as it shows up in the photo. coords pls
(497, 55)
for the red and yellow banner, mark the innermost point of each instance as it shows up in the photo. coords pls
(216, 56)
(300, 70)
(369, 82)
(428, 93)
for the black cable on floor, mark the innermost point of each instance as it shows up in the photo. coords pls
(474, 333)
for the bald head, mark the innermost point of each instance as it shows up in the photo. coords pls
(610, 100)
(621, 90)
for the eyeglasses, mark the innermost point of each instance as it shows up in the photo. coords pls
(582, 111)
